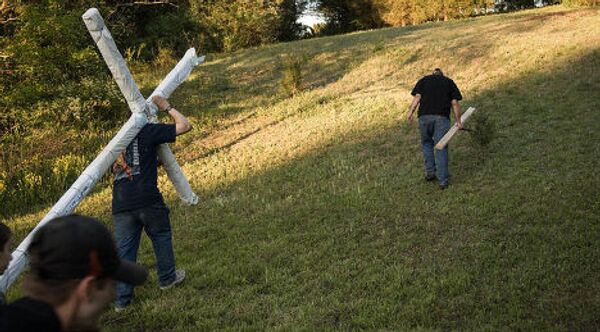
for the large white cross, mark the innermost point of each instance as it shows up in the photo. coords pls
(143, 111)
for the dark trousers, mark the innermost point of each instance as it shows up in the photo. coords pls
(154, 220)
(433, 128)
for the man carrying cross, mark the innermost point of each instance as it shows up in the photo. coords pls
(143, 111)
(138, 204)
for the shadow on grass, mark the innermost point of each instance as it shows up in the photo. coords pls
(542, 16)
(350, 237)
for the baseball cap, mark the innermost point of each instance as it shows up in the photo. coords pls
(75, 246)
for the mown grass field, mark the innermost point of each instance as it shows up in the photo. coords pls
(314, 214)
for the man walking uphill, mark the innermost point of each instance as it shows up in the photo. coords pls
(138, 204)
(435, 94)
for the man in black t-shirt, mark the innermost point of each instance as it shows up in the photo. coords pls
(138, 204)
(73, 268)
(435, 94)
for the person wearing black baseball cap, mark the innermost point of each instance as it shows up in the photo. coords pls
(73, 270)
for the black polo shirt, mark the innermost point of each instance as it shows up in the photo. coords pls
(437, 93)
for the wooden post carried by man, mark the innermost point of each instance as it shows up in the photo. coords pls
(454, 129)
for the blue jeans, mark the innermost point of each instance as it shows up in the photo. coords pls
(433, 128)
(154, 219)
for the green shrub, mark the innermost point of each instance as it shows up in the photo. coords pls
(239, 24)
(58, 78)
(65, 170)
(483, 129)
(291, 78)
(165, 58)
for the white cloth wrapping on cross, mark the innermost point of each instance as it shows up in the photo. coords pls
(102, 37)
(79, 189)
(143, 112)
(175, 77)
(113, 58)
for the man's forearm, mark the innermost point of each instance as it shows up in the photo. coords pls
(457, 111)
(415, 102)
(413, 107)
(182, 125)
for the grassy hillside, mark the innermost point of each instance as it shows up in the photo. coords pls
(313, 211)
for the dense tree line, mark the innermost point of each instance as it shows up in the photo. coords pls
(345, 16)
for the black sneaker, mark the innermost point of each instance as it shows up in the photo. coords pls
(430, 177)
(443, 186)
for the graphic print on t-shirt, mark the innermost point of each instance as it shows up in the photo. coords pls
(132, 158)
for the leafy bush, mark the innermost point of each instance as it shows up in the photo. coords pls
(483, 130)
(238, 24)
(165, 58)
(145, 30)
(291, 79)
(65, 170)
(58, 77)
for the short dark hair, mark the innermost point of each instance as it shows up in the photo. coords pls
(54, 292)
(438, 71)
(5, 234)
